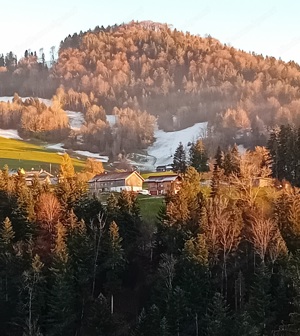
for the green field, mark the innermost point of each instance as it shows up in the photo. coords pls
(150, 206)
(20, 154)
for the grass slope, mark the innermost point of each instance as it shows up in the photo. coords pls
(21, 154)
(150, 206)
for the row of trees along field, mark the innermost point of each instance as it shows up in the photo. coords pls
(218, 261)
(177, 77)
(132, 130)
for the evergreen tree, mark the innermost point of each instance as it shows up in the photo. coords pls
(127, 216)
(179, 160)
(88, 208)
(151, 323)
(70, 191)
(66, 168)
(61, 310)
(182, 215)
(293, 272)
(7, 235)
(10, 276)
(285, 163)
(218, 322)
(231, 162)
(80, 249)
(273, 149)
(218, 159)
(114, 260)
(198, 157)
(194, 279)
(217, 173)
(259, 303)
(245, 326)
(97, 318)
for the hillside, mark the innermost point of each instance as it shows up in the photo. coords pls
(159, 153)
(168, 73)
(19, 154)
(146, 73)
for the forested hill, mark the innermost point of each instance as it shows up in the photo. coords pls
(167, 72)
(180, 78)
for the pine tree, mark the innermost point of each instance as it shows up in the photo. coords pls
(215, 184)
(245, 325)
(231, 162)
(294, 276)
(128, 219)
(80, 247)
(285, 163)
(198, 157)
(297, 159)
(177, 311)
(151, 323)
(217, 318)
(218, 159)
(272, 145)
(97, 318)
(7, 234)
(259, 303)
(66, 168)
(70, 191)
(61, 311)
(114, 260)
(10, 276)
(194, 279)
(179, 160)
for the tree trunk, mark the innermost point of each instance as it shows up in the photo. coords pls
(112, 304)
(197, 327)
(30, 312)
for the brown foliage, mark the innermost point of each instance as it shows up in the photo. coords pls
(48, 211)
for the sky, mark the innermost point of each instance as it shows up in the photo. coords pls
(268, 27)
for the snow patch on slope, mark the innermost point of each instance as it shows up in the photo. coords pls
(166, 143)
(10, 134)
(92, 155)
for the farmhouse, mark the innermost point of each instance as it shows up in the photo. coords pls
(160, 185)
(42, 175)
(107, 182)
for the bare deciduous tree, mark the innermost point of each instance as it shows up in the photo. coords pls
(48, 211)
(277, 247)
(224, 230)
(262, 233)
(254, 166)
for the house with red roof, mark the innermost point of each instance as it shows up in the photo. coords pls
(116, 181)
(161, 185)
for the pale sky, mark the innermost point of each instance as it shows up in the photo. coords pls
(270, 27)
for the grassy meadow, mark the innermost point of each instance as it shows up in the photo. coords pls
(20, 154)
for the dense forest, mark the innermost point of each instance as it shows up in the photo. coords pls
(177, 78)
(219, 260)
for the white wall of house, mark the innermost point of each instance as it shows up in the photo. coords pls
(128, 188)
